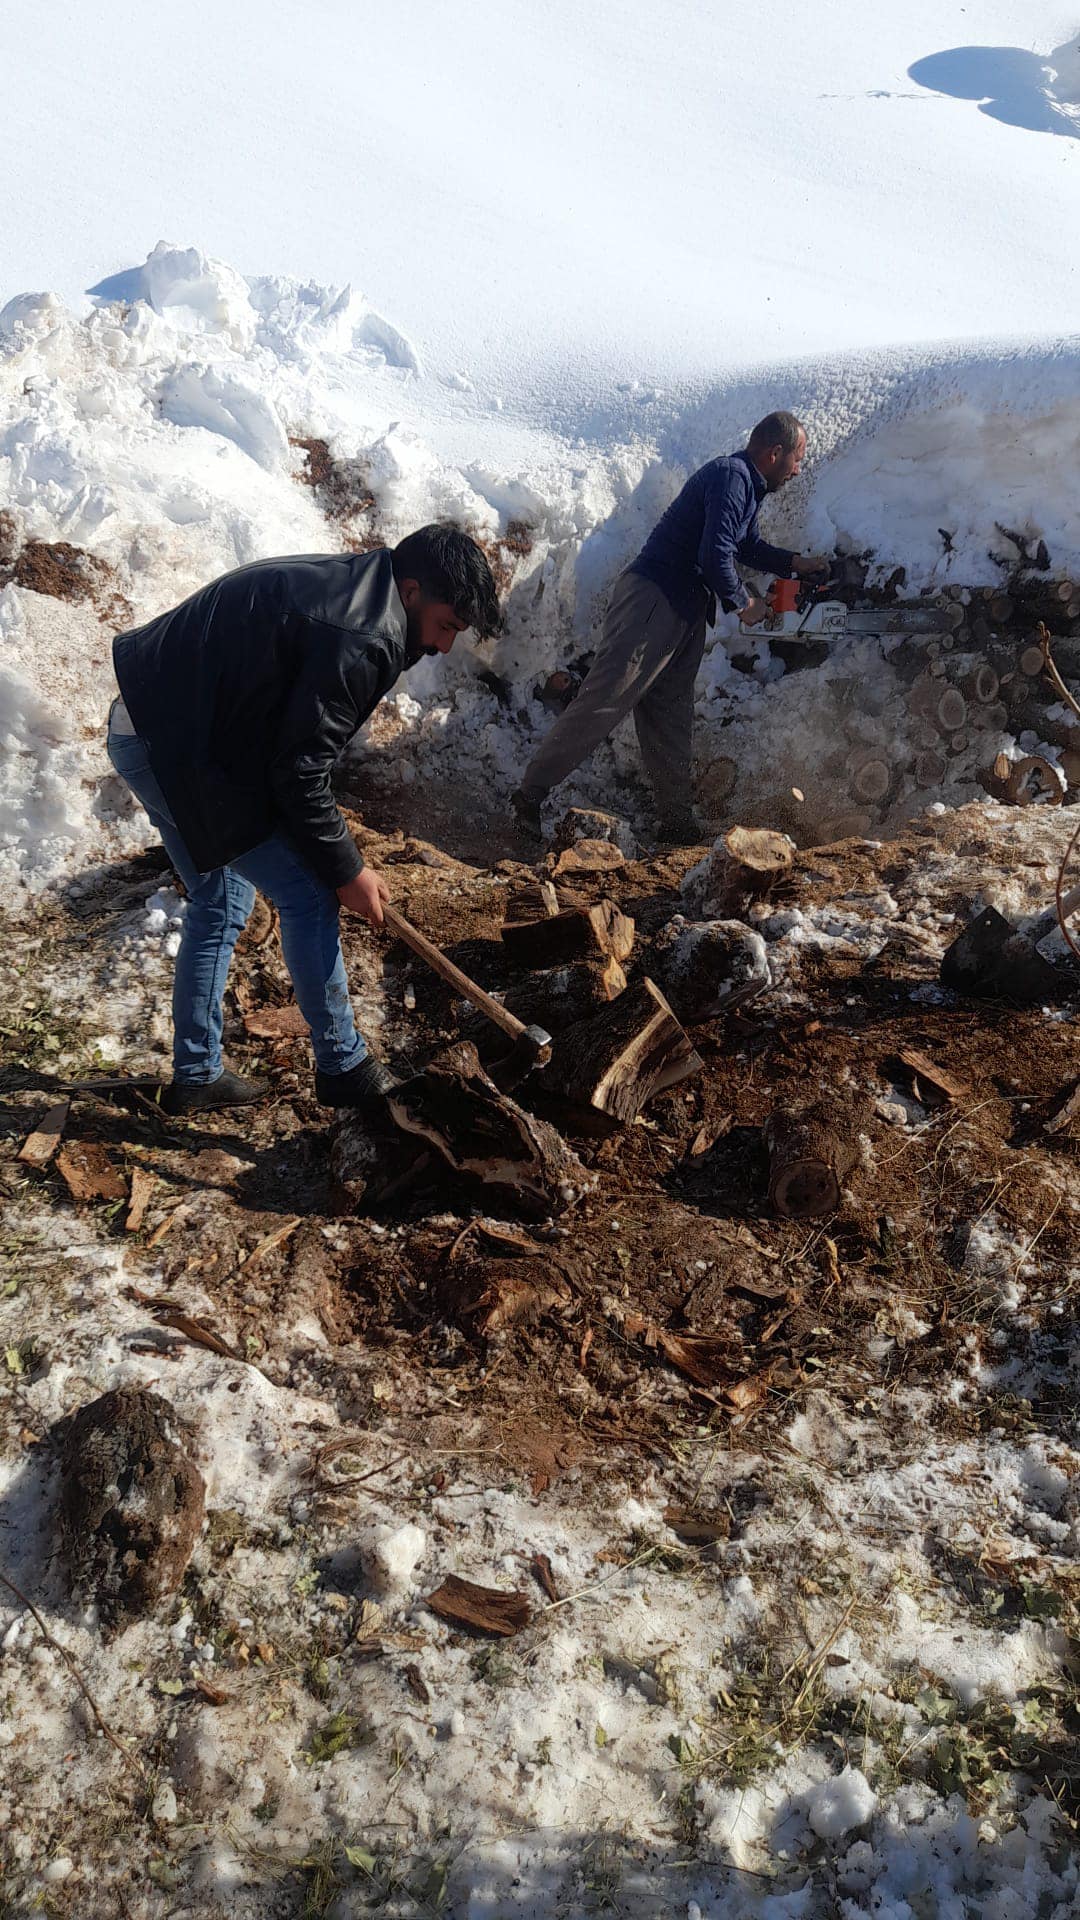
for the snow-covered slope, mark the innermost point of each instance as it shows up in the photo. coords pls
(549, 200)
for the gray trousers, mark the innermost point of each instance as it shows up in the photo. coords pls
(646, 664)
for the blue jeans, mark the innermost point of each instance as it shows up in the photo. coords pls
(218, 905)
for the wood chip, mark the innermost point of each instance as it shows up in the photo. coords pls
(928, 1075)
(214, 1696)
(38, 1147)
(701, 1356)
(416, 1683)
(88, 1173)
(272, 1240)
(540, 1568)
(142, 1186)
(276, 1023)
(484, 1609)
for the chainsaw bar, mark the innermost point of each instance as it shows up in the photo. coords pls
(898, 620)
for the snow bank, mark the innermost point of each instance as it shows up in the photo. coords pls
(158, 436)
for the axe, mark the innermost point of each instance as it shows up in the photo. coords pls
(532, 1046)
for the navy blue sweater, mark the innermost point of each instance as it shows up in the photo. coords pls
(712, 523)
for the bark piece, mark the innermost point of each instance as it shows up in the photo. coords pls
(810, 1157)
(484, 1609)
(88, 1173)
(142, 1187)
(703, 1357)
(709, 967)
(575, 933)
(38, 1147)
(131, 1503)
(277, 1023)
(492, 1296)
(1066, 1113)
(614, 1063)
(482, 1132)
(927, 1074)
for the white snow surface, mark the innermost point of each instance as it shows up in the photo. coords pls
(552, 200)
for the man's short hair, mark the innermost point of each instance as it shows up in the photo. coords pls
(777, 430)
(449, 566)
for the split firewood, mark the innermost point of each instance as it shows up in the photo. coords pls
(614, 1063)
(810, 1157)
(575, 933)
(537, 901)
(88, 1173)
(38, 1147)
(743, 864)
(484, 1609)
(926, 1075)
(482, 1132)
(588, 856)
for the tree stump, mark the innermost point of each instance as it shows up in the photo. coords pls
(576, 933)
(743, 864)
(810, 1157)
(483, 1133)
(131, 1503)
(613, 1064)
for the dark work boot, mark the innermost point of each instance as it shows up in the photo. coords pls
(364, 1087)
(526, 812)
(680, 830)
(228, 1090)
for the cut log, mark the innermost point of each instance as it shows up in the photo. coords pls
(930, 768)
(1001, 609)
(1031, 662)
(709, 967)
(980, 686)
(1070, 760)
(951, 710)
(614, 1063)
(481, 1132)
(810, 1157)
(1034, 782)
(1065, 590)
(576, 933)
(872, 780)
(743, 864)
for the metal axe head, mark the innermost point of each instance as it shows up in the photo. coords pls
(532, 1048)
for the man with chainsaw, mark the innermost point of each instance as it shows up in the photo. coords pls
(233, 709)
(653, 635)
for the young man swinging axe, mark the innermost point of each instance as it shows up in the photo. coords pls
(233, 709)
(654, 629)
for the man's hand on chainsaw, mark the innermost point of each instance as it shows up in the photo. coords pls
(753, 611)
(364, 894)
(807, 565)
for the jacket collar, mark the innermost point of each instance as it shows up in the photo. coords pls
(757, 480)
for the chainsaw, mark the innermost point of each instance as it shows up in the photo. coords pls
(798, 610)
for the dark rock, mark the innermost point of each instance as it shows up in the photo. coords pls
(131, 1503)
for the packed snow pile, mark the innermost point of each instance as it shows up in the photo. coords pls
(167, 436)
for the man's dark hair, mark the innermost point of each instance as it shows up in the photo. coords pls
(449, 566)
(777, 430)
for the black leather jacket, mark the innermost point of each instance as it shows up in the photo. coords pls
(248, 692)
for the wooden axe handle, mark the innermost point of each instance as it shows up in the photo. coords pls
(446, 970)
